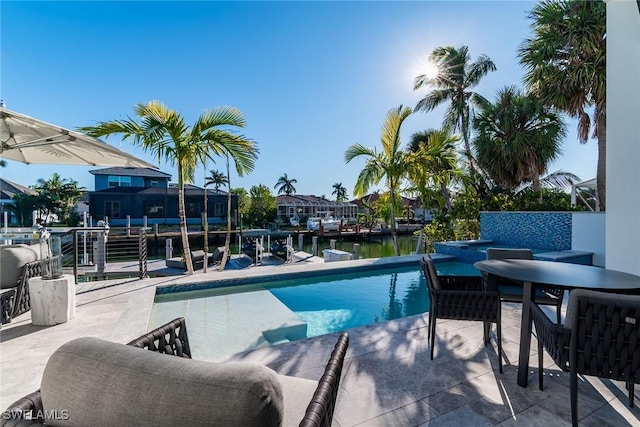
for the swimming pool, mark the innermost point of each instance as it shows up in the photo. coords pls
(233, 319)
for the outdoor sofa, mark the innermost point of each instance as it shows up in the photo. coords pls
(89, 381)
(18, 263)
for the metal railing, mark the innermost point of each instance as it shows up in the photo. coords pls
(99, 252)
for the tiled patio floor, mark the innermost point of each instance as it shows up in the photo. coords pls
(388, 378)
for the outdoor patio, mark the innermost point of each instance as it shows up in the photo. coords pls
(388, 379)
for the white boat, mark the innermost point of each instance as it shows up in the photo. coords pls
(329, 223)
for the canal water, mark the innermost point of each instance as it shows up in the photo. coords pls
(376, 246)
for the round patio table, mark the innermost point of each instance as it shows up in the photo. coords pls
(534, 273)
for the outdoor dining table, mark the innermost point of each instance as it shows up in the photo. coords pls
(534, 273)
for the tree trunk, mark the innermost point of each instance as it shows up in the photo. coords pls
(183, 222)
(394, 232)
(445, 195)
(206, 229)
(601, 177)
(227, 240)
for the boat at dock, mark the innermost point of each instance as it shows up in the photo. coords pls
(324, 218)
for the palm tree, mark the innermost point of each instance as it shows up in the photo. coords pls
(517, 138)
(216, 179)
(559, 179)
(389, 164)
(285, 185)
(340, 192)
(163, 132)
(456, 76)
(565, 64)
(433, 164)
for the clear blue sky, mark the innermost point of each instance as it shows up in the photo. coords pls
(311, 78)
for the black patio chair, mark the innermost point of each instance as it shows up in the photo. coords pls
(600, 337)
(461, 298)
(511, 291)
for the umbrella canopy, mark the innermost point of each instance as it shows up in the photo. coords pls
(28, 140)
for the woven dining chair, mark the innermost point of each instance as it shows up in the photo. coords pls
(511, 291)
(461, 298)
(600, 337)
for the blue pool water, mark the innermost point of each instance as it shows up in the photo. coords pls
(331, 305)
(326, 304)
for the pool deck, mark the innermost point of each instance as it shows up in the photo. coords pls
(388, 378)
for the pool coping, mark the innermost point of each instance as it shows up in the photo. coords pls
(258, 275)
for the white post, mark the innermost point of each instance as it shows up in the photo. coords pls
(300, 242)
(314, 246)
(356, 251)
(168, 249)
(128, 225)
(155, 230)
(85, 255)
(144, 221)
(332, 243)
(100, 255)
(6, 221)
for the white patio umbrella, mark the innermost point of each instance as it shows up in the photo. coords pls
(28, 140)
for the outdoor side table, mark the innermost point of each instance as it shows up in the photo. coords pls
(53, 301)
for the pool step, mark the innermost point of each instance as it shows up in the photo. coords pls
(222, 325)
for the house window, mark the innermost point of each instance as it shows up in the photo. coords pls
(193, 210)
(112, 209)
(153, 183)
(217, 209)
(119, 181)
(154, 209)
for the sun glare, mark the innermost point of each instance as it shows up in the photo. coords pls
(431, 70)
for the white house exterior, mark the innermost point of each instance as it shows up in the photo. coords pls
(623, 136)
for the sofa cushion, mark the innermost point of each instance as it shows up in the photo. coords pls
(99, 382)
(12, 260)
(297, 394)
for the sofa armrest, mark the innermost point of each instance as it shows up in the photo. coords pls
(170, 338)
(30, 404)
(7, 301)
(320, 409)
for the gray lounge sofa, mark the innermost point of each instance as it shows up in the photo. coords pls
(89, 381)
(17, 264)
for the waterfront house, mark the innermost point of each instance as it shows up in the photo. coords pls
(122, 192)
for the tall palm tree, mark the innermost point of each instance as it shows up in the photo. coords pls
(215, 178)
(388, 164)
(285, 185)
(163, 132)
(340, 192)
(517, 138)
(565, 64)
(453, 82)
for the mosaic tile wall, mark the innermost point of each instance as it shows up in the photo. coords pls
(544, 230)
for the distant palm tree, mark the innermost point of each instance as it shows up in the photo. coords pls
(285, 185)
(456, 76)
(163, 132)
(215, 178)
(340, 192)
(389, 164)
(517, 138)
(565, 64)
